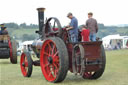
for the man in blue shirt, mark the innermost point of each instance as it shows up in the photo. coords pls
(73, 28)
(2, 25)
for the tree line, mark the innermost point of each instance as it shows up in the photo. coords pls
(22, 25)
(103, 30)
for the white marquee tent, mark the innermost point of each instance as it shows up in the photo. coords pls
(111, 41)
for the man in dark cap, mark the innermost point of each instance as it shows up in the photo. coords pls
(2, 26)
(4, 31)
(91, 23)
(73, 28)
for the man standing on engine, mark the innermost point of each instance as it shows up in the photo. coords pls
(73, 28)
(91, 23)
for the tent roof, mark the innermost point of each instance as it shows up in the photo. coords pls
(27, 42)
(117, 36)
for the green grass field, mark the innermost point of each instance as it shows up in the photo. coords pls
(116, 73)
(20, 32)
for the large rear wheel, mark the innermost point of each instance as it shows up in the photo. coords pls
(97, 74)
(54, 60)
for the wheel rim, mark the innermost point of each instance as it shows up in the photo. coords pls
(49, 60)
(24, 64)
(52, 28)
(77, 55)
(10, 46)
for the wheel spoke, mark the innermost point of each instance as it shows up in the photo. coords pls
(55, 70)
(49, 75)
(50, 49)
(26, 61)
(55, 54)
(46, 53)
(53, 49)
(56, 59)
(26, 69)
(47, 65)
(54, 24)
(56, 67)
(26, 64)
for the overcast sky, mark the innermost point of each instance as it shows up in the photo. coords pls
(109, 12)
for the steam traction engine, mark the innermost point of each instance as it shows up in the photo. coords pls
(57, 54)
(8, 48)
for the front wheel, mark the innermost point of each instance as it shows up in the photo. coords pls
(54, 60)
(26, 64)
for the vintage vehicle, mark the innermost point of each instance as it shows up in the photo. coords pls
(56, 54)
(8, 48)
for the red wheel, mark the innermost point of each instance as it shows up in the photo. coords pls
(10, 46)
(97, 74)
(13, 51)
(26, 64)
(54, 60)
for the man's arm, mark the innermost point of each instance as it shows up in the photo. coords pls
(86, 23)
(69, 28)
(71, 25)
(96, 25)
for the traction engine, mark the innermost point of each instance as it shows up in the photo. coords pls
(57, 55)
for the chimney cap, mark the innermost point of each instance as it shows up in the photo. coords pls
(41, 9)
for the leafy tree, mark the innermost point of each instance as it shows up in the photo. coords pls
(12, 25)
(23, 25)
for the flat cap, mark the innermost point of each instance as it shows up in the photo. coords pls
(69, 14)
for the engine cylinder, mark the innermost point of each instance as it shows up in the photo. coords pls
(36, 46)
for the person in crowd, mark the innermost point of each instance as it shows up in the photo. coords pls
(127, 44)
(119, 44)
(91, 23)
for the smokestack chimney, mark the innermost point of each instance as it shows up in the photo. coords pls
(41, 19)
